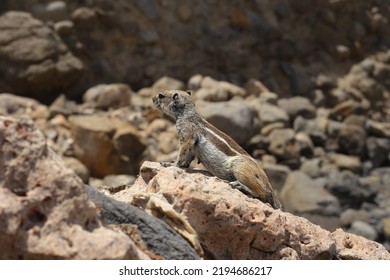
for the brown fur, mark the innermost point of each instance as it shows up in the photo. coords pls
(219, 153)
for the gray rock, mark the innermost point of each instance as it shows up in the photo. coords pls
(379, 129)
(22, 106)
(282, 144)
(349, 189)
(378, 150)
(115, 183)
(277, 174)
(110, 96)
(315, 128)
(303, 194)
(363, 229)
(35, 62)
(234, 118)
(312, 167)
(159, 238)
(352, 140)
(269, 114)
(149, 8)
(350, 215)
(297, 106)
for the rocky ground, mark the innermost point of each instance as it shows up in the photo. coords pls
(311, 101)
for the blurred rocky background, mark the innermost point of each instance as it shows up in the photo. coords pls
(303, 86)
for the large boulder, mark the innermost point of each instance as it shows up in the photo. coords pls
(106, 145)
(34, 60)
(231, 225)
(45, 212)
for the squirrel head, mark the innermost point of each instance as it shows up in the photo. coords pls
(174, 103)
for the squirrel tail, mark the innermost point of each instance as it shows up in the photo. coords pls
(250, 173)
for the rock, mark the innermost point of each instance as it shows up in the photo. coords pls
(17, 106)
(212, 95)
(353, 247)
(213, 90)
(349, 189)
(160, 239)
(352, 140)
(285, 145)
(386, 228)
(165, 83)
(300, 193)
(325, 82)
(315, 128)
(194, 83)
(363, 229)
(64, 28)
(78, 167)
(53, 11)
(381, 73)
(317, 167)
(251, 229)
(269, 114)
(346, 162)
(255, 88)
(110, 96)
(106, 145)
(84, 18)
(345, 109)
(378, 150)
(63, 106)
(118, 182)
(277, 174)
(234, 118)
(349, 216)
(45, 212)
(379, 129)
(297, 106)
(343, 52)
(35, 62)
(365, 87)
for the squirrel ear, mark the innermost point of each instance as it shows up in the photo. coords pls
(175, 96)
(189, 92)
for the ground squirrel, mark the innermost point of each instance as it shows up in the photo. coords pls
(219, 153)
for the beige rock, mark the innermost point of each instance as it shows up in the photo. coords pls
(255, 87)
(213, 90)
(165, 83)
(106, 145)
(300, 194)
(108, 96)
(346, 162)
(78, 167)
(231, 225)
(22, 106)
(45, 212)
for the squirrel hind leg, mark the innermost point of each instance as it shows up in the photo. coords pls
(251, 175)
(242, 188)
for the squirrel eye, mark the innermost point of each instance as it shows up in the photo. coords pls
(160, 95)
